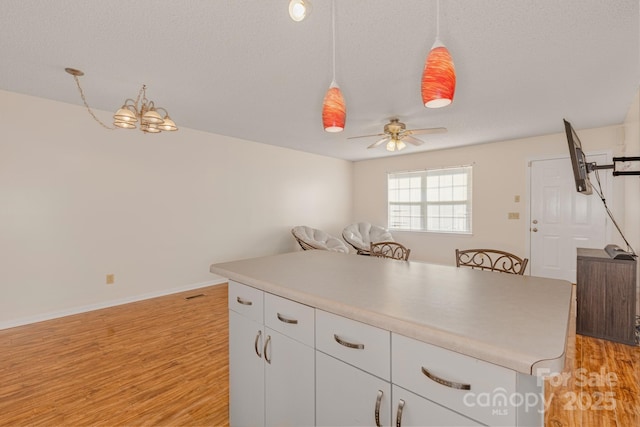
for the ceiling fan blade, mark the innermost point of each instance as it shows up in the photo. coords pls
(425, 131)
(377, 143)
(366, 136)
(412, 140)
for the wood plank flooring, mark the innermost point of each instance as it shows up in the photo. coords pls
(157, 362)
(164, 362)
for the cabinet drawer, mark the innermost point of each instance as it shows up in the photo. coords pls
(410, 410)
(358, 344)
(246, 300)
(290, 318)
(477, 389)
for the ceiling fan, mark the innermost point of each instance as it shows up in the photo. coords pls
(396, 134)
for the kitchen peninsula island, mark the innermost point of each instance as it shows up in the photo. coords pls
(324, 338)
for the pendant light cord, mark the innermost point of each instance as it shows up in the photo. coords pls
(333, 29)
(437, 19)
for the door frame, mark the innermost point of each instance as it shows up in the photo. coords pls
(608, 193)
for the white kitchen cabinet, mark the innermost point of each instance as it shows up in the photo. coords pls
(348, 396)
(246, 371)
(289, 381)
(352, 372)
(413, 410)
(291, 364)
(482, 391)
(271, 375)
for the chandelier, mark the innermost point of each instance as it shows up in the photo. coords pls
(132, 111)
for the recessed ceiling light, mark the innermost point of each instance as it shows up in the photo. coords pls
(299, 9)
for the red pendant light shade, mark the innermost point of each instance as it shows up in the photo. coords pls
(334, 112)
(438, 77)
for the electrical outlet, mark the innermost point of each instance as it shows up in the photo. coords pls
(516, 199)
(514, 215)
(111, 278)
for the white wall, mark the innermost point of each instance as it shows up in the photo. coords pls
(500, 172)
(78, 202)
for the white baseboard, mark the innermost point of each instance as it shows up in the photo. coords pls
(97, 306)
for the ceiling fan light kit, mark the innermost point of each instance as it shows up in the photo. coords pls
(131, 112)
(396, 135)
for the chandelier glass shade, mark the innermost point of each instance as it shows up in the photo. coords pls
(334, 112)
(438, 77)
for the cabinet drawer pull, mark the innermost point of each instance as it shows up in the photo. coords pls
(286, 320)
(347, 343)
(377, 411)
(243, 301)
(255, 344)
(452, 384)
(399, 413)
(266, 345)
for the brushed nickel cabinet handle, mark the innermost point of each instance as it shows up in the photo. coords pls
(243, 301)
(452, 384)
(377, 411)
(399, 413)
(255, 344)
(266, 345)
(347, 343)
(286, 320)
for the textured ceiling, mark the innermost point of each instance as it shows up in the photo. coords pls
(245, 69)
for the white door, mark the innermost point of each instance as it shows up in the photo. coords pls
(563, 219)
(347, 396)
(289, 381)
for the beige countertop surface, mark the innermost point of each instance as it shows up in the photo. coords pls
(518, 322)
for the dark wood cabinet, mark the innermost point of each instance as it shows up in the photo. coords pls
(606, 296)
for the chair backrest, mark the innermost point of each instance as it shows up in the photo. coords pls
(361, 234)
(312, 238)
(389, 250)
(491, 259)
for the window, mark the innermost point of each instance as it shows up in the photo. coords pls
(431, 200)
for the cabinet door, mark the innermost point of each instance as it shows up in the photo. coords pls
(413, 410)
(289, 381)
(246, 371)
(347, 396)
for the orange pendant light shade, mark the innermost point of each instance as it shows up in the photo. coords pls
(438, 77)
(334, 112)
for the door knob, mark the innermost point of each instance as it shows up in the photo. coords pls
(534, 229)
(535, 221)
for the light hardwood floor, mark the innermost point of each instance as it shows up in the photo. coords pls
(164, 362)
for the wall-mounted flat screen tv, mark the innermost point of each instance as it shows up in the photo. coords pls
(578, 160)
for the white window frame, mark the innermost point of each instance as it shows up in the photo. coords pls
(414, 197)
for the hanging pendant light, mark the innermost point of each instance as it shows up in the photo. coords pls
(439, 74)
(334, 110)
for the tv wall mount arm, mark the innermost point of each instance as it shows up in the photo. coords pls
(593, 166)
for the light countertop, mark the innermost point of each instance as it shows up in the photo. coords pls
(518, 322)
